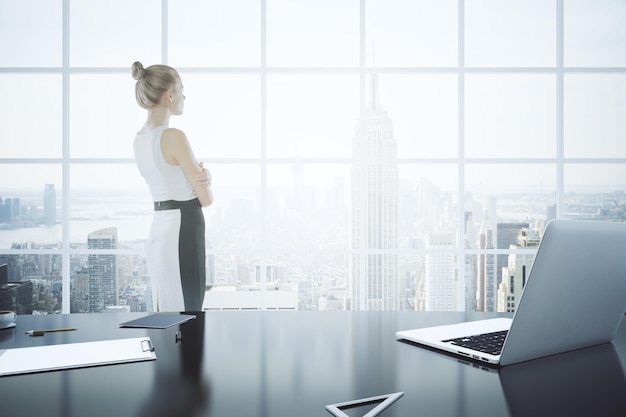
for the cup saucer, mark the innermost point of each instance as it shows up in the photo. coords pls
(8, 326)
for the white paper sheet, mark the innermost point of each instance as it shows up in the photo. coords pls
(74, 355)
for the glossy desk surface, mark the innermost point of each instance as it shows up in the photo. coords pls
(275, 363)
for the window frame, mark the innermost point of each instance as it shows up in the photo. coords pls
(559, 162)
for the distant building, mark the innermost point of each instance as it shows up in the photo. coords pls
(210, 269)
(329, 303)
(550, 212)
(470, 263)
(273, 273)
(250, 297)
(485, 273)
(79, 293)
(515, 274)
(49, 205)
(103, 288)
(506, 235)
(9, 209)
(441, 280)
(136, 305)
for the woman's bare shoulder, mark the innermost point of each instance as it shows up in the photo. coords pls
(174, 133)
(174, 139)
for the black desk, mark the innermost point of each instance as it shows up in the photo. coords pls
(235, 364)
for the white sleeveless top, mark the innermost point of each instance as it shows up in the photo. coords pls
(166, 182)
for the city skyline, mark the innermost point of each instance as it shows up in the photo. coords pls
(300, 269)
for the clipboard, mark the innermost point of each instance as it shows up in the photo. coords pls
(75, 355)
(158, 321)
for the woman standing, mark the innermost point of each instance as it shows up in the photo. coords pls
(180, 187)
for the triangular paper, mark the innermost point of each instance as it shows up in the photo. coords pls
(384, 400)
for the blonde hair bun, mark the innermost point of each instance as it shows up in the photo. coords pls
(138, 71)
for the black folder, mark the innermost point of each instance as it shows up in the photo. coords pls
(158, 321)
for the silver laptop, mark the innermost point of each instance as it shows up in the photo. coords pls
(574, 297)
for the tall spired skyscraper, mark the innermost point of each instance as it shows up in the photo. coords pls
(374, 259)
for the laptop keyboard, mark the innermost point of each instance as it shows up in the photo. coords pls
(490, 343)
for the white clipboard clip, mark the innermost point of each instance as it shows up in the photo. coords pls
(146, 346)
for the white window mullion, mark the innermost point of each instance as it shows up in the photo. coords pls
(65, 164)
(263, 231)
(164, 32)
(460, 244)
(560, 138)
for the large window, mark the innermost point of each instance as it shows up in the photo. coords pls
(366, 154)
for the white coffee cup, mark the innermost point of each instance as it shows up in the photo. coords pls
(7, 318)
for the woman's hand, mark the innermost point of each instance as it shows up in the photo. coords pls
(204, 178)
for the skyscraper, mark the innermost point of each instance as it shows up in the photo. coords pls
(9, 209)
(486, 274)
(49, 205)
(516, 272)
(103, 289)
(506, 235)
(374, 224)
(441, 280)
(79, 294)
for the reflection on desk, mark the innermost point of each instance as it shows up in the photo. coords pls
(179, 388)
(586, 382)
(272, 363)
